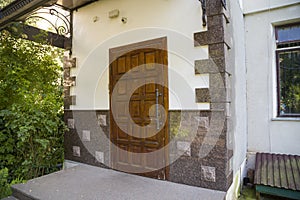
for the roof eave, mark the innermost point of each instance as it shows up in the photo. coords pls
(17, 10)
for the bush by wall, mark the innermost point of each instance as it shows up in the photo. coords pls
(31, 110)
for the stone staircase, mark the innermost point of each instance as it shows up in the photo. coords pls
(88, 182)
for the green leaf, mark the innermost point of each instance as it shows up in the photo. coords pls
(43, 142)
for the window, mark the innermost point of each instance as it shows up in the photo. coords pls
(288, 70)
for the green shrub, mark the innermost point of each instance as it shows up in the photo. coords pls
(4, 185)
(31, 110)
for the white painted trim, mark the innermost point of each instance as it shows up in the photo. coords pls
(288, 48)
(296, 119)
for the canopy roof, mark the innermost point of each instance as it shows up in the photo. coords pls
(19, 9)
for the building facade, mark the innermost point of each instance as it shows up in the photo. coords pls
(195, 90)
(183, 91)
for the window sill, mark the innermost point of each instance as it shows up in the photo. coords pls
(296, 119)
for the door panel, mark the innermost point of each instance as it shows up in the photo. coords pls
(141, 60)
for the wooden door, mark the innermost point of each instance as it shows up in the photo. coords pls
(138, 139)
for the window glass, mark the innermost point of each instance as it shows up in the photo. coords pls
(288, 33)
(289, 72)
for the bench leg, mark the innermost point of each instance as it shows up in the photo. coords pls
(257, 196)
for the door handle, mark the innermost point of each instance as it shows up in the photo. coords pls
(157, 94)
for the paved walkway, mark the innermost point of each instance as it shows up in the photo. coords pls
(88, 182)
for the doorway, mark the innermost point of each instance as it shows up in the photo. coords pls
(138, 93)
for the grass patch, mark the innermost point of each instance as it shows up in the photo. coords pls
(247, 194)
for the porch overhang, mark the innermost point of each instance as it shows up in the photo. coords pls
(20, 9)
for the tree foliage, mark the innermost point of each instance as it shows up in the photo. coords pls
(4, 3)
(31, 108)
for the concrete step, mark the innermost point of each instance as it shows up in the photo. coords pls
(19, 194)
(10, 198)
(88, 182)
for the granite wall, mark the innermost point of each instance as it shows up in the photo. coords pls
(216, 167)
(200, 148)
(87, 140)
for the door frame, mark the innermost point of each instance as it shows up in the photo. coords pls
(158, 43)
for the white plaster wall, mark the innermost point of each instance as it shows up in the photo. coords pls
(239, 99)
(176, 19)
(236, 186)
(265, 132)
(253, 6)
